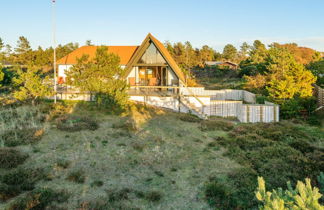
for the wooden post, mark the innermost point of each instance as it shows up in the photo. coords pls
(261, 113)
(275, 113)
(247, 113)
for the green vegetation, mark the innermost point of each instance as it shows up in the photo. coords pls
(99, 77)
(303, 197)
(149, 158)
(30, 85)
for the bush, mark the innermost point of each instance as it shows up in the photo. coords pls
(11, 158)
(39, 199)
(278, 151)
(97, 183)
(233, 192)
(295, 107)
(19, 180)
(73, 123)
(153, 196)
(210, 125)
(118, 195)
(303, 197)
(76, 176)
(63, 163)
(219, 195)
(12, 138)
(190, 118)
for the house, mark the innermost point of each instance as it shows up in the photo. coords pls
(149, 64)
(155, 78)
(222, 64)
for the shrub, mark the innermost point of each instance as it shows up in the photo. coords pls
(233, 192)
(303, 197)
(190, 118)
(97, 183)
(73, 123)
(39, 199)
(278, 151)
(11, 158)
(76, 176)
(63, 163)
(210, 125)
(153, 196)
(12, 138)
(118, 195)
(19, 180)
(293, 108)
(218, 195)
(138, 146)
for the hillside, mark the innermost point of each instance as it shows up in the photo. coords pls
(73, 156)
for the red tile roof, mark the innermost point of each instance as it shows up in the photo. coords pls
(124, 52)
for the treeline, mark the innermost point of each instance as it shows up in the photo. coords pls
(188, 57)
(23, 54)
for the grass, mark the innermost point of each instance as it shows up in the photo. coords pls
(146, 158)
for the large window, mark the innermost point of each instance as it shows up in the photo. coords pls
(152, 56)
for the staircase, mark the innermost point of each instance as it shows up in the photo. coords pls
(199, 111)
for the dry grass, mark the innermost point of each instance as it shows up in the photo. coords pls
(163, 161)
(146, 158)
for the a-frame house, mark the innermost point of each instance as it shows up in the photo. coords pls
(152, 65)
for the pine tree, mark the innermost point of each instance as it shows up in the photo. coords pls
(1, 53)
(1, 45)
(283, 78)
(229, 52)
(89, 43)
(30, 85)
(23, 51)
(244, 50)
(101, 76)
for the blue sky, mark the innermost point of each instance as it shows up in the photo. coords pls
(126, 22)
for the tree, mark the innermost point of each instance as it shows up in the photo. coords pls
(1, 75)
(287, 78)
(303, 197)
(23, 51)
(302, 55)
(317, 68)
(258, 52)
(1, 53)
(244, 50)
(229, 52)
(30, 85)
(63, 50)
(207, 53)
(283, 78)
(101, 76)
(89, 43)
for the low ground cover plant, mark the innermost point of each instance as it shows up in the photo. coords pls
(278, 152)
(76, 123)
(11, 158)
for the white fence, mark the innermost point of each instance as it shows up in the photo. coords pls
(259, 113)
(244, 112)
(227, 94)
(223, 108)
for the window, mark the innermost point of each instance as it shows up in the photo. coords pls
(152, 56)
